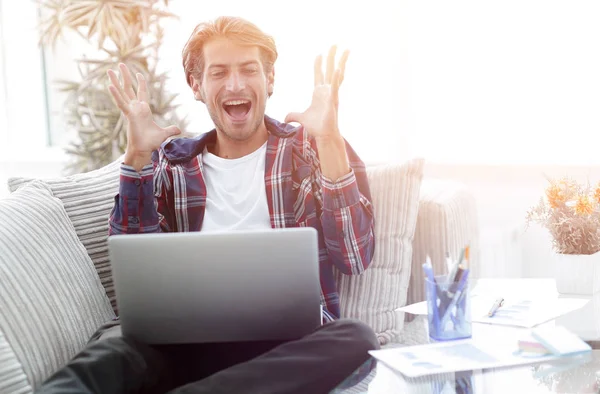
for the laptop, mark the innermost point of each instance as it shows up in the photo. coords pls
(196, 287)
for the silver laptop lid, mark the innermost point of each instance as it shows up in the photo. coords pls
(217, 287)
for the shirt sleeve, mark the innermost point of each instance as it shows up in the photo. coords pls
(340, 193)
(137, 210)
(347, 217)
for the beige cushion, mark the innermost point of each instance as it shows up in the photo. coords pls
(447, 222)
(88, 199)
(50, 296)
(374, 296)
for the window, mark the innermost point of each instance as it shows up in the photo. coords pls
(23, 115)
(3, 95)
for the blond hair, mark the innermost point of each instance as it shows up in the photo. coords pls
(237, 29)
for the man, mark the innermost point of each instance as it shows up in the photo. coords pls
(251, 171)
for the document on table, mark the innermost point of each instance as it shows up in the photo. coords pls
(479, 305)
(519, 312)
(528, 313)
(455, 356)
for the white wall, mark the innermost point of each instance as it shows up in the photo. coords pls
(509, 82)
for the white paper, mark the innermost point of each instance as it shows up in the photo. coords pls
(420, 308)
(455, 356)
(479, 305)
(528, 313)
(527, 302)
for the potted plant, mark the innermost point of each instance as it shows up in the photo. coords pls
(127, 32)
(570, 211)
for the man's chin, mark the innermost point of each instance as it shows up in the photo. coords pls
(239, 133)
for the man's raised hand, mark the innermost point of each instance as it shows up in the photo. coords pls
(320, 120)
(143, 134)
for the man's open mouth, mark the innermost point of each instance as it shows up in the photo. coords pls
(237, 109)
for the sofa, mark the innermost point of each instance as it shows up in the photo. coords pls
(56, 285)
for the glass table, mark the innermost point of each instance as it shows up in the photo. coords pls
(569, 375)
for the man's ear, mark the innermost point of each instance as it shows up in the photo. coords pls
(196, 89)
(270, 82)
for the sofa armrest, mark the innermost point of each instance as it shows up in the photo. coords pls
(447, 221)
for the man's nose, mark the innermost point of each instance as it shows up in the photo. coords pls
(235, 82)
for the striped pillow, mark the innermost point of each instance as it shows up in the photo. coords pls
(88, 199)
(12, 376)
(374, 296)
(50, 296)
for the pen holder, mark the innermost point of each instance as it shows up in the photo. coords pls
(448, 308)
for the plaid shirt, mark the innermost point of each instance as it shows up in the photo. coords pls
(170, 195)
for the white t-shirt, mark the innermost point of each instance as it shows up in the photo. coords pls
(236, 198)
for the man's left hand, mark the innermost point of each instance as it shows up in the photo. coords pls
(320, 120)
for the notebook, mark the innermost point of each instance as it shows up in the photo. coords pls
(559, 340)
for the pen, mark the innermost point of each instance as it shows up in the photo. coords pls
(431, 286)
(428, 269)
(451, 287)
(448, 262)
(455, 298)
(462, 255)
(452, 273)
(460, 271)
(497, 304)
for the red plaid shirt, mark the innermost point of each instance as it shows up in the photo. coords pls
(170, 195)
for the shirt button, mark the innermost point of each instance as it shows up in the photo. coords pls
(137, 182)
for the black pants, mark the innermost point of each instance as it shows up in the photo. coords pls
(314, 364)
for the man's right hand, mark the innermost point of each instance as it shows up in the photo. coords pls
(143, 134)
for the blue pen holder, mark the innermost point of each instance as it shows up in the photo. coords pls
(448, 308)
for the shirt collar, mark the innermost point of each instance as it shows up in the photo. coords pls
(181, 150)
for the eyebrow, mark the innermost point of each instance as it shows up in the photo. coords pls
(243, 64)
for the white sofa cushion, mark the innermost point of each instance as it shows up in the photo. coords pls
(50, 296)
(12, 376)
(88, 199)
(374, 295)
(447, 222)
